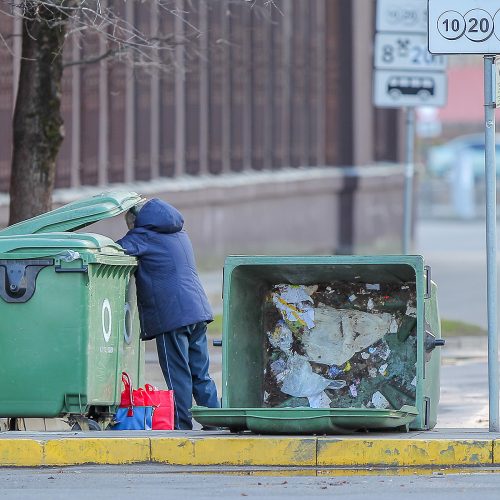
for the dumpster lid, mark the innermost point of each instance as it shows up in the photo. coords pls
(303, 420)
(53, 243)
(77, 214)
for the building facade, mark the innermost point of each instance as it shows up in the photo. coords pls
(256, 102)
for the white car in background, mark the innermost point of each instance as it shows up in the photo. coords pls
(443, 159)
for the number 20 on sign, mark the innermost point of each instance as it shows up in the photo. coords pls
(465, 27)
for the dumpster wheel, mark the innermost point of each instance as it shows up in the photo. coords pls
(81, 423)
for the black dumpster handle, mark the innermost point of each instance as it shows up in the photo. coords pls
(18, 278)
(59, 269)
(428, 286)
(217, 342)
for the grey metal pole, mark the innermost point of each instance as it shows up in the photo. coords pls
(409, 175)
(491, 241)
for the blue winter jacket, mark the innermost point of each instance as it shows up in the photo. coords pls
(169, 292)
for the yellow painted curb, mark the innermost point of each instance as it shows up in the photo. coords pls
(96, 450)
(251, 451)
(21, 452)
(404, 452)
(496, 451)
(235, 451)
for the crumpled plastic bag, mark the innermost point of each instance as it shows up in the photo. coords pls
(320, 400)
(341, 333)
(300, 381)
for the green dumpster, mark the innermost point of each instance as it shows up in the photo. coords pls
(329, 344)
(69, 318)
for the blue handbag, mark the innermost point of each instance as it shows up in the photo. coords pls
(134, 418)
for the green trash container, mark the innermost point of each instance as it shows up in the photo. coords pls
(69, 318)
(329, 344)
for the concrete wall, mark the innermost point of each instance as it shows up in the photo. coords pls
(293, 211)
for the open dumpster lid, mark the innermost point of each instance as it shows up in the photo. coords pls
(304, 420)
(77, 214)
(35, 245)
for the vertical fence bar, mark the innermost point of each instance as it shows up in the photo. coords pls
(103, 139)
(76, 111)
(204, 87)
(268, 91)
(226, 88)
(17, 48)
(180, 90)
(491, 242)
(287, 82)
(321, 82)
(306, 11)
(248, 90)
(409, 176)
(154, 103)
(130, 104)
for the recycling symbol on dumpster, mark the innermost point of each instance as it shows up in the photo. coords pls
(106, 320)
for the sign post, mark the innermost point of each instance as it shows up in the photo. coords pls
(473, 27)
(406, 75)
(409, 175)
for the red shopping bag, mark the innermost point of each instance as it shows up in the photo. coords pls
(162, 402)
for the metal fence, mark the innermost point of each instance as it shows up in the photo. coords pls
(246, 88)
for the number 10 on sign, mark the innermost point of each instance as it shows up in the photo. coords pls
(465, 27)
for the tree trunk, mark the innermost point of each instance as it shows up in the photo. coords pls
(38, 125)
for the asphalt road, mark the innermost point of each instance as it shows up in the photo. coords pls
(456, 252)
(159, 481)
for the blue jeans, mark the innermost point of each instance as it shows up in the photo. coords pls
(183, 356)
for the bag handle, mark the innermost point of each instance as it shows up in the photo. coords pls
(154, 394)
(128, 387)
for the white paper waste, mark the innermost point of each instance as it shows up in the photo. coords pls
(281, 337)
(294, 304)
(294, 294)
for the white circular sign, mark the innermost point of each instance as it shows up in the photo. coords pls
(451, 25)
(496, 22)
(479, 25)
(106, 320)
(127, 327)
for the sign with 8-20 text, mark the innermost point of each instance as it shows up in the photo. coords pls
(464, 26)
(405, 51)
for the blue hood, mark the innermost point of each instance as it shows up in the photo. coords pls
(159, 216)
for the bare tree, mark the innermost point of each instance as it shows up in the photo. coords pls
(47, 25)
(37, 124)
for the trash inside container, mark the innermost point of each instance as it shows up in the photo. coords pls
(69, 320)
(328, 345)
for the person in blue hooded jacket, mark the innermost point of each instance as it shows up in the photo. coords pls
(173, 307)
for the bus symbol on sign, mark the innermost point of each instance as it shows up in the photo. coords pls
(396, 89)
(423, 87)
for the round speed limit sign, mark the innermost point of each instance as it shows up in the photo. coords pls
(469, 28)
(451, 25)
